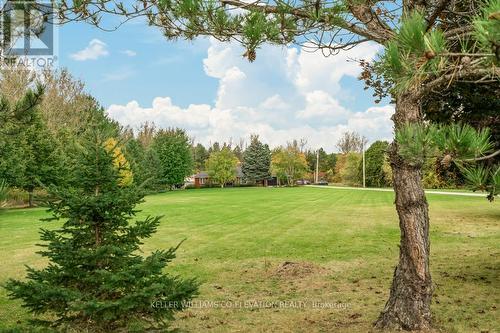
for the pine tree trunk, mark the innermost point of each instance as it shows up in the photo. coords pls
(408, 306)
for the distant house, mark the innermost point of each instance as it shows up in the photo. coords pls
(202, 178)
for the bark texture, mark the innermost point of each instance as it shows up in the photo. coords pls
(408, 306)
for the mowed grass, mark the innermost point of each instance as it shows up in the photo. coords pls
(343, 243)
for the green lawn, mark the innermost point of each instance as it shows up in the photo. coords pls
(344, 244)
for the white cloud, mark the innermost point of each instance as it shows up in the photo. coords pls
(319, 104)
(164, 114)
(94, 50)
(313, 71)
(229, 85)
(285, 94)
(129, 53)
(374, 123)
(216, 64)
(208, 124)
(274, 102)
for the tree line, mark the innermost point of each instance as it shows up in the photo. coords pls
(42, 125)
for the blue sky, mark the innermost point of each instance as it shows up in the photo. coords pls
(158, 68)
(209, 89)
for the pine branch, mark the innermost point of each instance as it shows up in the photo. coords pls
(432, 19)
(465, 74)
(268, 9)
(483, 157)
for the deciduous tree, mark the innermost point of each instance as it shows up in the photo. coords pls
(350, 142)
(289, 163)
(350, 174)
(221, 166)
(173, 150)
(375, 156)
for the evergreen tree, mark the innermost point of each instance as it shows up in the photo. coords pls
(256, 160)
(215, 147)
(135, 155)
(14, 117)
(95, 279)
(326, 161)
(174, 152)
(43, 157)
(238, 152)
(200, 155)
(29, 153)
(329, 162)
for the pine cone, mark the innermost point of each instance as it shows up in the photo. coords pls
(429, 55)
(446, 161)
(250, 55)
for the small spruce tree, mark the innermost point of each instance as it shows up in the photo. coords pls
(96, 279)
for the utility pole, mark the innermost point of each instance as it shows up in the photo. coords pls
(316, 179)
(364, 169)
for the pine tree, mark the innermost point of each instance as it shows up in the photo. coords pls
(43, 156)
(135, 155)
(256, 161)
(200, 155)
(29, 154)
(96, 280)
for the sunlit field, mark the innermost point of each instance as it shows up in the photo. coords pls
(298, 259)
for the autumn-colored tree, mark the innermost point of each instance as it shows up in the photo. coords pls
(289, 163)
(221, 166)
(121, 164)
(350, 173)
